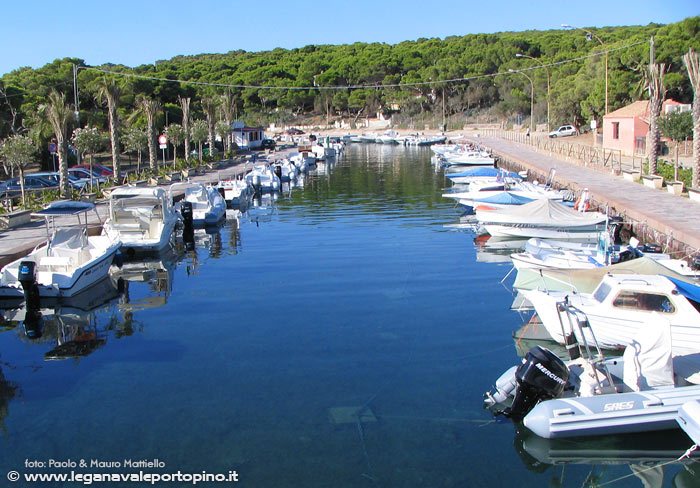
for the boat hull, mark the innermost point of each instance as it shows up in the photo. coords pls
(620, 413)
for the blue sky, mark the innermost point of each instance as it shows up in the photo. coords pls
(133, 32)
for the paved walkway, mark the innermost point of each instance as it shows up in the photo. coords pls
(666, 213)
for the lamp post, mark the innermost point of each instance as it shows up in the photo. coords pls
(520, 55)
(589, 36)
(532, 96)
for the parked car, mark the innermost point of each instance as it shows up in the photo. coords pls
(55, 177)
(84, 174)
(564, 130)
(267, 144)
(293, 131)
(11, 187)
(98, 169)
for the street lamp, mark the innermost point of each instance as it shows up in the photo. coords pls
(589, 36)
(532, 96)
(520, 55)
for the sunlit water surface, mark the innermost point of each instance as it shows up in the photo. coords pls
(248, 353)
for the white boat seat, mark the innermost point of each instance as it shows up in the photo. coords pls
(55, 261)
(687, 367)
(648, 363)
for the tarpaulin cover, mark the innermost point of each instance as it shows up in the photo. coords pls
(544, 212)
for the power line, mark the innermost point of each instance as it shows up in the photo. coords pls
(355, 87)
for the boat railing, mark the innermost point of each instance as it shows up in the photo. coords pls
(576, 320)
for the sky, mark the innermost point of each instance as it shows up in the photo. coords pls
(132, 33)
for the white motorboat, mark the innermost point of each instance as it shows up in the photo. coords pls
(589, 395)
(208, 206)
(389, 137)
(287, 170)
(143, 218)
(542, 218)
(483, 174)
(622, 306)
(69, 262)
(236, 191)
(262, 178)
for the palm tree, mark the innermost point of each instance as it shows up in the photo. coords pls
(656, 100)
(186, 119)
(209, 105)
(228, 107)
(199, 134)
(58, 113)
(175, 134)
(692, 64)
(150, 108)
(110, 92)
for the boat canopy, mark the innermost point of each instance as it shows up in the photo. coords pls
(543, 211)
(504, 198)
(64, 207)
(587, 280)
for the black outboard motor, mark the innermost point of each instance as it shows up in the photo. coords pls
(278, 172)
(541, 376)
(695, 263)
(187, 225)
(27, 278)
(33, 321)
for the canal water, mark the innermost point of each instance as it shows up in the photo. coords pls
(354, 292)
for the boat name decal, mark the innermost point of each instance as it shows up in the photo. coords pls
(612, 407)
(550, 374)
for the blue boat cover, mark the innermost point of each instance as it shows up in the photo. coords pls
(484, 171)
(504, 198)
(686, 289)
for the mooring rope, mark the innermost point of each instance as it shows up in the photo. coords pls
(685, 455)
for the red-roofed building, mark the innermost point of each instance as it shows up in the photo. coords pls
(627, 128)
(247, 137)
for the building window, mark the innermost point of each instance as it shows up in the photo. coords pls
(616, 130)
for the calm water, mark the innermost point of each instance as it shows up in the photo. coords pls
(247, 353)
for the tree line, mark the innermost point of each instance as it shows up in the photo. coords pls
(461, 77)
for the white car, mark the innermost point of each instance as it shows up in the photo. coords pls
(564, 130)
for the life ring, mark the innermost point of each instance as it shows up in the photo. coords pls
(582, 206)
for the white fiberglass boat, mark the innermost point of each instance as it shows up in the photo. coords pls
(262, 178)
(67, 263)
(622, 306)
(208, 206)
(542, 218)
(235, 191)
(143, 218)
(589, 395)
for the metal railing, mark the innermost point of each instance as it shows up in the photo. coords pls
(600, 157)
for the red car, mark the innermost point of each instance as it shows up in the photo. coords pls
(98, 169)
(294, 131)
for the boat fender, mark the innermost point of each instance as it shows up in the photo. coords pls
(118, 260)
(582, 205)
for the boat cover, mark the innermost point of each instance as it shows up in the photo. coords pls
(64, 207)
(688, 290)
(587, 280)
(484, 172)
(504, 198)
(544, 212)
(648, 362)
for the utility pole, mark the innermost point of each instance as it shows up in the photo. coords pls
(77, 104)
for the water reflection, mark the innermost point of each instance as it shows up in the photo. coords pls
(148, 282)
(651, 457)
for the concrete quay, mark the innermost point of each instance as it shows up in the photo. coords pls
(655, 215)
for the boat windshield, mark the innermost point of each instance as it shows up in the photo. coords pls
(602, 292)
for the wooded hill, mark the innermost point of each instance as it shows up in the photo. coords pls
(405, 78)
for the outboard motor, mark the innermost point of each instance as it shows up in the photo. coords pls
(651, 248)
(695, 263)
(541, 376)
(257, 183)
(187, 225)
(33, 324)
(278, 172)
(27, 278)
